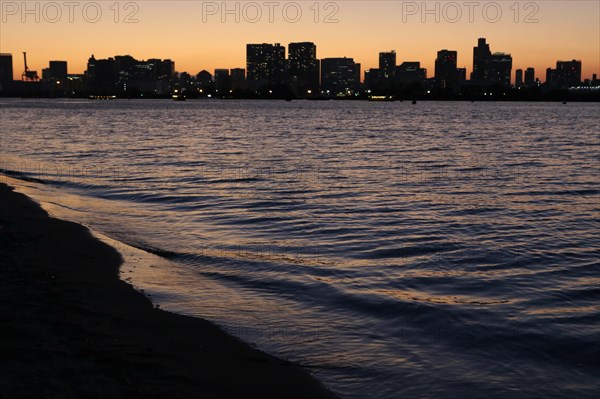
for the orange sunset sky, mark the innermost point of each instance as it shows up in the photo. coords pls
(193, 34)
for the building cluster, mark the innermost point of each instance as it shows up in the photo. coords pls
(125, 74)
(300, 74)
(269, 73)
(389, 76)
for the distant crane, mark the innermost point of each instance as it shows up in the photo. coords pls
(29, 75)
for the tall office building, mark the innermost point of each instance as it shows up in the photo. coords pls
(6, 70)
(488, 68)
(238, 78)
(530, 77)
(568, 73)
(265, 63)
(340, 76)
(550, 75)
(303, 67)
(519, 78)
(446, 73)
(481, 56)
(499, 69)
(387, 65)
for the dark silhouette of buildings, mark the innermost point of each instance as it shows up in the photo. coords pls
(238, 74)
(568, 73)
(54, 78)
(183, 82)
(222, 81)
(340, 76)
(389, 78)
(76, 85)
(270, 75)
(204, 83)
(265, 64)
(481, 56)
(550, 75)
(490, 69)
(382, 80)
(125, 74)
(519, 78)
(387, 65)
(499, 69)
(204, 78)
(530, 77)
(447, 75)
(101, 75)
(372, 81)
(303, 68)
(56, 71)
(238, 79)
(6, 71)
(410, 72)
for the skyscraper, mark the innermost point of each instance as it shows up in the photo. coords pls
(488, 68)
(519, 78)
(568, 73)
(387, 65)
(6, 70)
(499, 69)
(265, 63)
(530, 77)
(340, 76)
(550, 75)
(303, 67)
(446, 73)
(481, 56)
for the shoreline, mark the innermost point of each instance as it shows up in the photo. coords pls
(73, 328)
(459, 99)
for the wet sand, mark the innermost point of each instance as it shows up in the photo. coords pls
(72, 328)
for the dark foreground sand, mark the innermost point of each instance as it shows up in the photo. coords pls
(71, 329)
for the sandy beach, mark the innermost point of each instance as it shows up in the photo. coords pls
(71, 328)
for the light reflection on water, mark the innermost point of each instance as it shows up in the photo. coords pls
(395, 250)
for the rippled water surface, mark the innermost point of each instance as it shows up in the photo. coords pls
(395, 250)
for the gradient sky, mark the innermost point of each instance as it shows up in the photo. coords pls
(176, 30)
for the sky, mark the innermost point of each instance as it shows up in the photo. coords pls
(201, 35)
